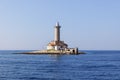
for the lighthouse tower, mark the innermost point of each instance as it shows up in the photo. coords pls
(57, 32)
(57, 44)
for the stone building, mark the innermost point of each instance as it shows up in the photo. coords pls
(57, 44)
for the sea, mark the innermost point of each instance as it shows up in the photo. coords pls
(94, 65)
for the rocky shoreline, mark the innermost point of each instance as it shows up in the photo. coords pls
(52, 52)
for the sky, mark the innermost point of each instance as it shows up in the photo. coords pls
(86, 24)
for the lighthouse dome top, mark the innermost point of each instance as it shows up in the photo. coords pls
(57, 24)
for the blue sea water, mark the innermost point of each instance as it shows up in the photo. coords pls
(94, 65)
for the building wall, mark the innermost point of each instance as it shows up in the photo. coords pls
(57, 47)
(50, 47)
(53, 47)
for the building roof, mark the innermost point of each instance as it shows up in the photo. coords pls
(55, 43)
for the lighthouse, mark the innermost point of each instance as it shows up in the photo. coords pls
(57, 44)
